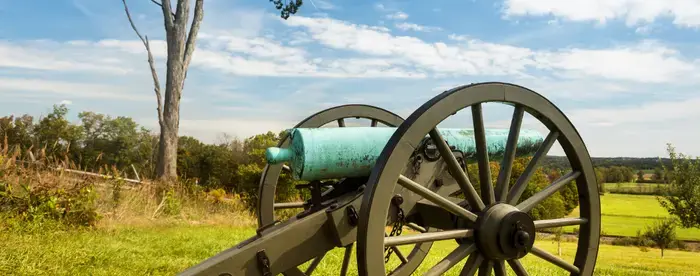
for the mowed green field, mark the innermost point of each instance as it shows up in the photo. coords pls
(168, 249)
(623, 215)
(632, 185)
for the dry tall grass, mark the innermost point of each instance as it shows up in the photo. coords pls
(29, 189)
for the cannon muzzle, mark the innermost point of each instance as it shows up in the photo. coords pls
(327, 153)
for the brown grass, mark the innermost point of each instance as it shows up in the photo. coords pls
(118, 202)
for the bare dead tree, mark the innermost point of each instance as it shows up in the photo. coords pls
(181, 45)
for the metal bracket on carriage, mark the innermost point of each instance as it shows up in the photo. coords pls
(321, 200)
(429, 150)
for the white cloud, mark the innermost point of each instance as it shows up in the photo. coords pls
(474, 58)
(643, 30)
(639, 130)
(399, 15)
(644, 62)
(211, 130)
(685, 13)
(647, 61)
(415, 27)
(22, 86)
(225, 52)
(646, 114)
(48, 55)
(374, 53)
(66, 102)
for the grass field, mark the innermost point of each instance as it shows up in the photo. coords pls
(167, 249)
(632, 185)
(623, 215)
(634, 188)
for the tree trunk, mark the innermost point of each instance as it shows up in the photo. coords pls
(180, 48)
(559, 246)
(175, 76)
(167, 147)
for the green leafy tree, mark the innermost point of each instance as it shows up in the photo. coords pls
(658, 175)
(119, 142)
(57, 135)
(287, 8)
(552, 207)
(17, 131)
(600, 178)
(662, 233)
(682, 198)
(640, 176)
(250, 172)
(189, 157)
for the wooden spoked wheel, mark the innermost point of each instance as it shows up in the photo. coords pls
(271, 173)
(498, 229)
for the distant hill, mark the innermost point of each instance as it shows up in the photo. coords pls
(635, 163)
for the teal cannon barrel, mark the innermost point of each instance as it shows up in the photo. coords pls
(324, 153)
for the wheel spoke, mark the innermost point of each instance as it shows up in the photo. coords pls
(399, 254)
(474, 261)
(499, 268)
(416, 227)
(554, 260)
(428, 237)
(289, 205)
(435, 198)
(550, 223)
(346, 260)
(456, 171)
(485, 268)
(531, 202)
(341, 122)
(509, 155)
(397, 251)
(521, 184)
(374, 123)
(482, 156)
(314, 264)
(517, 267)
(452, 259)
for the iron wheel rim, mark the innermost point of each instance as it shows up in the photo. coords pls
(395, 155)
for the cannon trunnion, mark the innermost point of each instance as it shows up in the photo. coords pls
(413, 175)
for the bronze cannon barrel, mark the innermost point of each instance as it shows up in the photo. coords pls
(325, 153)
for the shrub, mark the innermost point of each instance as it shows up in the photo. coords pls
(73, 206)
(662, 233)
(172, 204)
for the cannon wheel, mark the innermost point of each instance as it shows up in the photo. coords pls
(497, 212)
(271, 173)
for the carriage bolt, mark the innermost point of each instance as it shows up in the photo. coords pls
(522, 238)
(397, 200)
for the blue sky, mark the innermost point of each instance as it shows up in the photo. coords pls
(624, 71)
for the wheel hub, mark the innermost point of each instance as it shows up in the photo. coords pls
(503, 232)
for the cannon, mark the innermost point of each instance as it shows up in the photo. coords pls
(411, 174)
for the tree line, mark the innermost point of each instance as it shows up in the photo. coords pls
(634, 163)
(105, 144)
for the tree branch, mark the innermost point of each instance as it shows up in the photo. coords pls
(192, 36)
(161, 6)
(151, 63)
(168, 14)
(182, 13)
